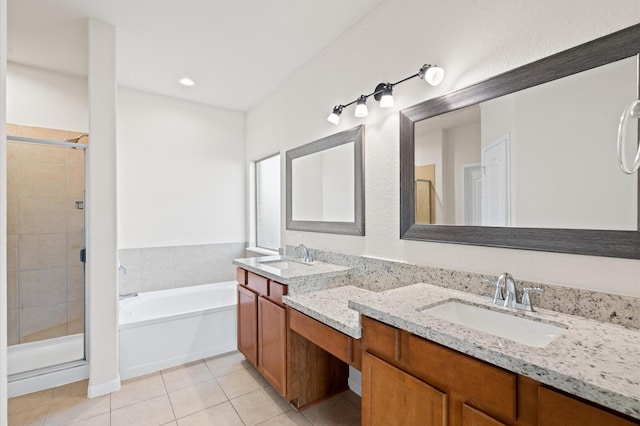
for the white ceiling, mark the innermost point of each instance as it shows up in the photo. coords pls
(237, 51)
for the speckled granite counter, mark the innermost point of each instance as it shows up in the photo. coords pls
(593, 360)
(309, 277)
(331, 308)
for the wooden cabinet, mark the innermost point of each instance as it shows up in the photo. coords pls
(477, 393)
(392, 397)
(272, 341)
(248, 324)
(262, 326)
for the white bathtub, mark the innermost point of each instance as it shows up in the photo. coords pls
(161, 329)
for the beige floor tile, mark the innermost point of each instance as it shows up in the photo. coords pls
(196, 398)
(101, 420)
(71, 409)
(78, 389)
(241, 382)
(334, 411)
(174, 423)
(31, 401)
(137, 390)
(32, 417)
(227, 363)
(259, 406)
(219, 415)
(152, 412)
(352, 397)
(186, 375)
(290, 418)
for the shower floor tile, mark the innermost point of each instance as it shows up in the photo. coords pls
(220, 390)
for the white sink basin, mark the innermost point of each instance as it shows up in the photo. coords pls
(528, 332)
(285, 264)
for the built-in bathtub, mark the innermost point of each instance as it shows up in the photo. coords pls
(161, 329)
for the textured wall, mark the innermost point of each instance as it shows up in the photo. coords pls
(473, 40)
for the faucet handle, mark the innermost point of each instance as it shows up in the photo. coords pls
(498, 296)
(526, 299)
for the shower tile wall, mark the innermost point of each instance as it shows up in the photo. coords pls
(160, 268)
(45, 235)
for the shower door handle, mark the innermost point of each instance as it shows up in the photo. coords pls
(83, 255)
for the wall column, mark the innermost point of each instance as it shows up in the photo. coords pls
(101, 267)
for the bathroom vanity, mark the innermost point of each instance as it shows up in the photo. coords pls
(418, 368)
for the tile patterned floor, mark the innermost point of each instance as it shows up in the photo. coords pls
(224, 390)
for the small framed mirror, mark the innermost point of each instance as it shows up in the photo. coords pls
(325, 184)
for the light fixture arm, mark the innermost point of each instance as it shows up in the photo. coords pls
(381, 88)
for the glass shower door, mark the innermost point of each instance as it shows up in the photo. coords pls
(45, 220)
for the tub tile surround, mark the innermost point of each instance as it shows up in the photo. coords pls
(161, 268)
(380, 275)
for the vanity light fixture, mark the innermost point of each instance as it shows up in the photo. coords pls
(186, 81)
(383, 93)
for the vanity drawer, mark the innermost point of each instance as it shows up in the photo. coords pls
(338, 344)
(382, 340)
(490, 388)
(276, 291)
(257, 283)
(241, 276)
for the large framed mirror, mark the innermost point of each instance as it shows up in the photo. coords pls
(527, 159)
(325, 184)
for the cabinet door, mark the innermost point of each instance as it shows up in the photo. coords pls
(248, 324)
(272, 343)
(392, 397)
(473, 417)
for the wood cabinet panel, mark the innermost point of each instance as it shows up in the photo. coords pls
(331, 340)
(276, 291)
(473, 417)
(491, 388)
(392, 397)
(248, 324)
(258, 284)
(557, 409)
(272, 341)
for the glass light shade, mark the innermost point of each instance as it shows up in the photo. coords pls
(333, 118)
(386, 101)
(361, 108)
(434, 75)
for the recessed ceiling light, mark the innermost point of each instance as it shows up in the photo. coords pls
(186, 81)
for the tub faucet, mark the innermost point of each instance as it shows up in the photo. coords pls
(128, 295)
(306, 254)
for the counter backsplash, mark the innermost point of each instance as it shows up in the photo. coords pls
(379, 275)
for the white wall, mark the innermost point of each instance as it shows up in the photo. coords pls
(473, 40)
(42, 98)
(181, 172)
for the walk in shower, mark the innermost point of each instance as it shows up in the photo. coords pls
(45, 252)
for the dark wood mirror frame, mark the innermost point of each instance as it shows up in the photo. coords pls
(357, 227)
(622, 244)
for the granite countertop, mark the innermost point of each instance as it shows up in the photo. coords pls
(597, 361)
(331, 307)
(304, 271)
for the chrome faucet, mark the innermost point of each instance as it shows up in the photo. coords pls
(506, 283)
(128, 295)
(306, 254)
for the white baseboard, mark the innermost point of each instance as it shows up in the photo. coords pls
(103, 388)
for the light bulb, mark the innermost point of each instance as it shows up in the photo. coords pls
(386, 101)
(361, 107)
(434, 75)
(334, 117)
(186, 81)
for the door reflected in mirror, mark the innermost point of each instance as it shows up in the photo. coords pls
(543, 157)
